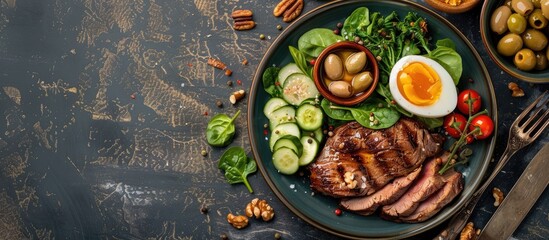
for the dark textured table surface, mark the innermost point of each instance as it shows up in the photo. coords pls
(103, 107)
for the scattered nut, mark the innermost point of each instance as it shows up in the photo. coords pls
(219, 103)
(237, 96)
(468, 232)
(216, 63)
(289, 9)
(228, 72)
(245, 62)
(243, 19)
(238, 222)
(517, 91)
(498, 196)
(260, 208)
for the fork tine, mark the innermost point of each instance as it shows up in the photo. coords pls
(541, 120)
(528, 109)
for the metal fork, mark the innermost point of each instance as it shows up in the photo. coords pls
(524, 130)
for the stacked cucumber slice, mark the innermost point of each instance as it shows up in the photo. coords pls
(295, 121)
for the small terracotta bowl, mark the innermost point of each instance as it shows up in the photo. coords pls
(318, 73)
(465, 6)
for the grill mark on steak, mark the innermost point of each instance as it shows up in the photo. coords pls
(375, 157)
(426, 184)
(432, 205)
(367, 205)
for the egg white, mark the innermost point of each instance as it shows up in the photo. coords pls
(445, 104)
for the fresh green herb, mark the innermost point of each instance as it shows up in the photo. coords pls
(237, 165)
(221, 129)
(372, 114)
(315, 40)
(270, 81)
(301, 61)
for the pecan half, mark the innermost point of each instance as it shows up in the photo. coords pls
(293, 12)
(243, 19)
(282, 6)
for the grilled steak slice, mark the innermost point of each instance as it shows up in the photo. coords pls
(427, 183)
(433, 204)
(367, 205)
(370, 158)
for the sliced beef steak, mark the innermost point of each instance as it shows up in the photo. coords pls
(433, 204)
(367, 205)
(357, 161)
(426, 184)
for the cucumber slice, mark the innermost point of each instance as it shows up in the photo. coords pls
(290, 142)
(282, 115)
(309, 117)
(272, 105)
(281, 130)
(297, 88)
(286, 161)
(317, 134)
(286, 71)
(310, 149)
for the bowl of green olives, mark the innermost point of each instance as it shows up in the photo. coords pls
(346, 73)
(515, 34)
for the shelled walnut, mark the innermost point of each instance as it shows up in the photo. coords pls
(259, 208)
(239, 221)
(468, 232)
(498, 196)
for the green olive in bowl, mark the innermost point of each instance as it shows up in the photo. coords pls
(536, 20)
(534, 39)
(516, 23)
(509, 44)
(523, 7)
(525, 59)
(541, 61)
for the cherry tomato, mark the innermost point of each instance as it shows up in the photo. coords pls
(484, 123)
(463, 99)
(454, 124)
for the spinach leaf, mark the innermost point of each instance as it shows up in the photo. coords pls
(446, 42)
(357, 21)
(301, 61)
(448, 58)
(373, 115)
(221, 129)
(315, 40)
(270, 83)
(337, 114)
(431, 123)
(237, 165)
(386, 93)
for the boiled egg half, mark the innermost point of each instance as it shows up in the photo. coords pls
(422, 87)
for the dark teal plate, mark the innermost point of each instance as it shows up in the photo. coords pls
(294, 191)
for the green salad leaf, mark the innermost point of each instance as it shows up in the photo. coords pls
(315, 40)
(220, 130)
(446, 55)
(301, 61)
(372, 114)
(270, 81)
(237, 166)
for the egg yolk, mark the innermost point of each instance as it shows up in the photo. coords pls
(419, 84)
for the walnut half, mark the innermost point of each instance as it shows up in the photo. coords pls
(259, 208)
(238, 222)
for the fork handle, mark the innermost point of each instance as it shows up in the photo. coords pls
(458, 221)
